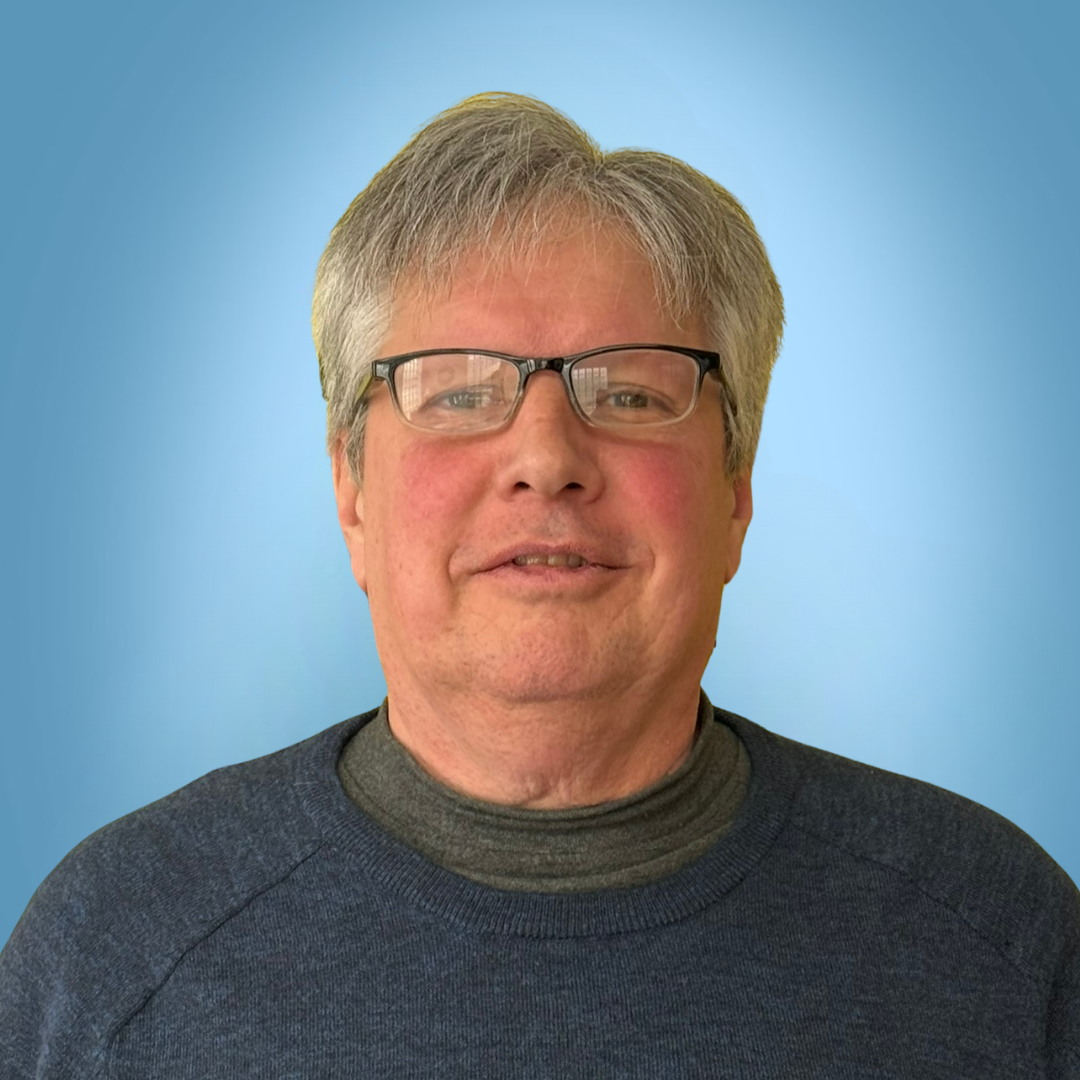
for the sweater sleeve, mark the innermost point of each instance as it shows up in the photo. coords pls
(62, 976)
(1063, 1014)
(109, 925)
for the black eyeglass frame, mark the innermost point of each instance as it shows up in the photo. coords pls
(708, 364)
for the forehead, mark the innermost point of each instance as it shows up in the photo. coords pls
(579, 287)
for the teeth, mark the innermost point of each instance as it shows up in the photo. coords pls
(571, 560)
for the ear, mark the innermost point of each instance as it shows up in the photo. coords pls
(350, 509)
(742, 512)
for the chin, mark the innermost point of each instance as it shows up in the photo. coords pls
(551, 671)
(544, 692)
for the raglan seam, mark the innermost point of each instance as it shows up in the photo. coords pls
(109, 1043)
(978, 931)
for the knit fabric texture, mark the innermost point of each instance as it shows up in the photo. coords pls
(850, 924)
(629, 841)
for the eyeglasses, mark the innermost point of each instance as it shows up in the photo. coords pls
(464, 391)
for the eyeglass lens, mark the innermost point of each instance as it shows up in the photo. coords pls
(472, 391)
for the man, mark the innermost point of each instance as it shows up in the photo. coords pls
(546, 855)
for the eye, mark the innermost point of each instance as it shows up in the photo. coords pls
(637, 400)
(467, 398)
(627, 399)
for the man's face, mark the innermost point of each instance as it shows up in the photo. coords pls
(434, 532)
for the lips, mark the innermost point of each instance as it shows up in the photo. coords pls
(573, 560)
(572, 556)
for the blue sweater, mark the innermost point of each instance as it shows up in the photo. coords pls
(852, 924)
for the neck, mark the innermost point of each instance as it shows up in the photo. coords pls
(547, 754)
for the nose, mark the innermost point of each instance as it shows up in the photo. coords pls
(549, 448)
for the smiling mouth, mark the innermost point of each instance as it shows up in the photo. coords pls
(568, 559)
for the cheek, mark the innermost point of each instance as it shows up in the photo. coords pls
(677, 497)
(432, 490)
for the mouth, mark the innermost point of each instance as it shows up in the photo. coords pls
(539, 558)
(570, 559)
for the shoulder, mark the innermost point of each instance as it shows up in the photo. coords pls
(963, 855)
(110, 922)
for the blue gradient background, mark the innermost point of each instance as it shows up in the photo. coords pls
(176, 594)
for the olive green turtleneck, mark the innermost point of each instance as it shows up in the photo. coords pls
(630, 841)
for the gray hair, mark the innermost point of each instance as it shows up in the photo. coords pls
(497, 171)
